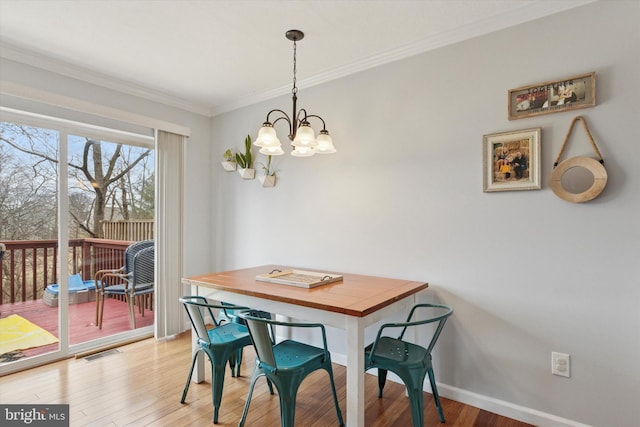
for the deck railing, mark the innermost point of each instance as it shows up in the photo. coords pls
(28, 266)
(136, 230)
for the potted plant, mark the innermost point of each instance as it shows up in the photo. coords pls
(245, 161)
(229, 164)
(269, 177)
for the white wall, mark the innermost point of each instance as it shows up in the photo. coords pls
(526, 272)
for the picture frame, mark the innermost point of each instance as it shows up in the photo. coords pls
(511, 160)
(570, 93)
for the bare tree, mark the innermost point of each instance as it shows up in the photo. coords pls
(103, 175)
(97, 171)
(140, 187)
(27, 200)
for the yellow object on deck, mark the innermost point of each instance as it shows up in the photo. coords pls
(17, 333)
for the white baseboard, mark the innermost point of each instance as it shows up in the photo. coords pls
(506, 409)
(497, 406)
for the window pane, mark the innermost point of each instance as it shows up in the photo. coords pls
(28, 229)
(111, 205)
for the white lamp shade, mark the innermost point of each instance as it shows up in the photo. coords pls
(325, 144)
(305, 137)
(267, 137)
(303, 152)
(272, 151)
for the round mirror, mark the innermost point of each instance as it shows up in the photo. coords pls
(578, 179)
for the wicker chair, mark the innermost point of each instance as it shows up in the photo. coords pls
(133, 281)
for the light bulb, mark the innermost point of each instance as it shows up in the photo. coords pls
(305, 136)
(303, 152)
(267, 136)
(325, 143)
(272, 151)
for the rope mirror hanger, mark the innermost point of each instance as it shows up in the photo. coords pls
(595, 167)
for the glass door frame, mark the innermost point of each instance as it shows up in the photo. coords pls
(65, 128)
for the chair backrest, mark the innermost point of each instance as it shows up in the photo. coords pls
(444, 311)
(198, 308)
(229, 313)
(132, 250)
(143, 268)
(262, 340)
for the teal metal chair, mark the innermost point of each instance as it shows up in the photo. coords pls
(286, 364)
(411, 362)
(231, 315)
(221, 344)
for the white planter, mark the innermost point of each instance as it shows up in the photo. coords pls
(229, 166)
(268, 181)
(247, 173)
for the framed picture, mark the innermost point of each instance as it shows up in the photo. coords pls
(570, 93)
(511, 160)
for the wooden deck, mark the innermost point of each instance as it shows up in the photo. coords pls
(81, 320)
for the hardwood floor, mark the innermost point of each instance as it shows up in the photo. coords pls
(141, 385)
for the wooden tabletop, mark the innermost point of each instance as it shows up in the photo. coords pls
(356, 295)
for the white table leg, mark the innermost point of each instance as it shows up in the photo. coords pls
(355, 371)
(198, 369)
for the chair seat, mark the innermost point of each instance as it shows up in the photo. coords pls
(396, 352)
(228, 333)
(120, 289)
(292, 354)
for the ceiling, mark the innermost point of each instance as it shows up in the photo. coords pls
(212, 56)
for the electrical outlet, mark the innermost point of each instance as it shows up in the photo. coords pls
(560, 364)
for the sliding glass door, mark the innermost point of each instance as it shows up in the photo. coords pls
(29, 238)
(73, 199)
(110, 208)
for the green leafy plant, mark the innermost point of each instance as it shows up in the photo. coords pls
(228, 156)
(267, 168)
(245, 160)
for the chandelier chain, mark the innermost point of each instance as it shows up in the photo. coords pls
(295, 88)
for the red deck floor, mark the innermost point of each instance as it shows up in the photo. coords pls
(81, 320)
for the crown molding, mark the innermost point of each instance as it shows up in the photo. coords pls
(41, 60)
(58, 100)
(528, 12)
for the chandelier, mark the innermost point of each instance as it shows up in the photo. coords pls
(301, 134)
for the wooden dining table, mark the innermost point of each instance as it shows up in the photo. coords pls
(351, 303)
